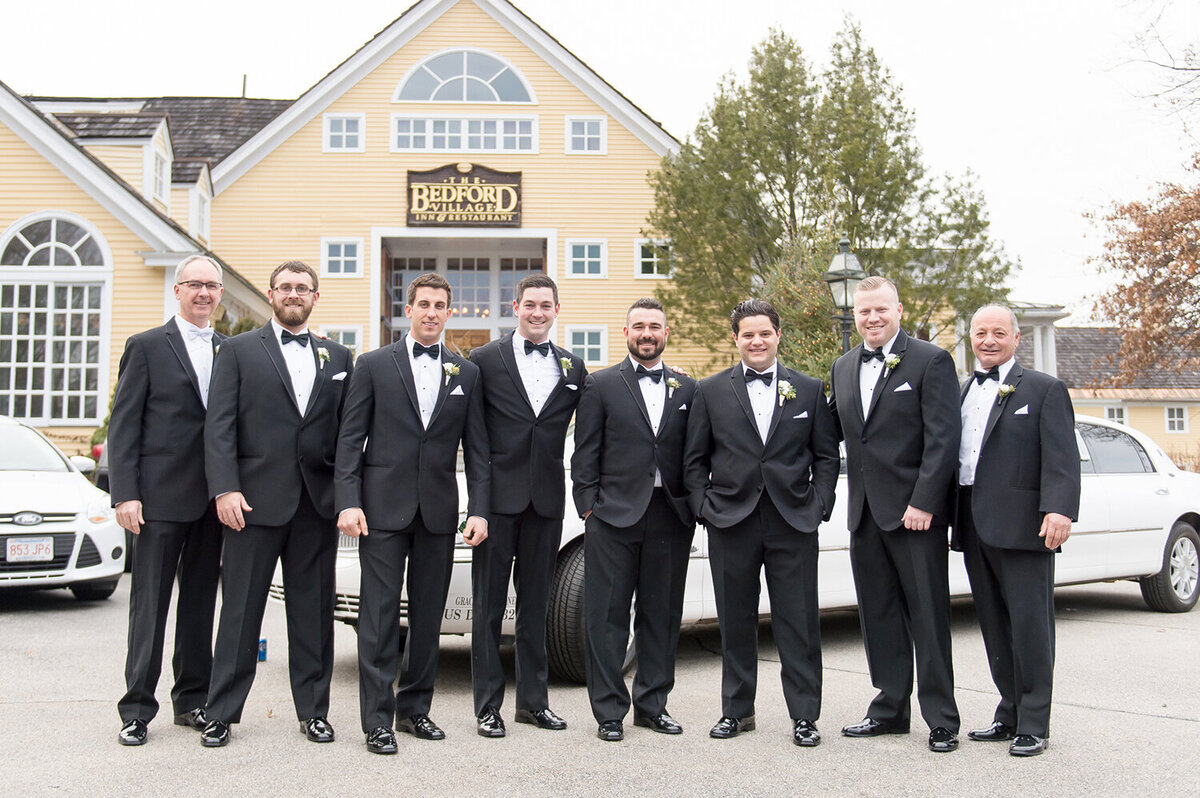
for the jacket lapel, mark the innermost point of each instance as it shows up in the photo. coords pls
(319, 382)
(558, 356)
(631, 382)
(854, 367)
(897, 349)
(271, 345)
(738, 379)
(179, 347)
(443, 384)
(510, 364)
(1014, 379)
(777, 412)
(400, 352)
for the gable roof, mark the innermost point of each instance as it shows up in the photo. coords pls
(1087, 359)
(112, 126)
(402, 30)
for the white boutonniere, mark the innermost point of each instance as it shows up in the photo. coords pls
(216, 349)
(322, 356)
(672, 384)
(565, 362)
(451, 370)
(891, 361)
(786, 391)
(1006, 389)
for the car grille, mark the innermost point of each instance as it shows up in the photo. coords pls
(47, 518)
(344, 606)
(64, 542)
(347, 542)
(89, 555)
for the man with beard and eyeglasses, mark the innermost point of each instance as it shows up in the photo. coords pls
(627, 470)
(270, 439)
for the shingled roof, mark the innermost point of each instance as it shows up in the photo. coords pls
(110, 126)
(1083, 355)
(209, 128)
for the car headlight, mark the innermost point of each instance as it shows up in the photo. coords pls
(99, 511)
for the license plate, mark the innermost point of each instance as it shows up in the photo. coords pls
(30, 549)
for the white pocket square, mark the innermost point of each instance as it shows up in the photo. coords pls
(457, 391)
(341, 375)
(904, 387)
(572, 386)
(683, 406)
(802, 415)
(1023, 410)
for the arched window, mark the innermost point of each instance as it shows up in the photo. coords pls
(54, 281)
(464, 76)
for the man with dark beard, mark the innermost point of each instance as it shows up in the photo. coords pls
(270, 438)
(627, 468)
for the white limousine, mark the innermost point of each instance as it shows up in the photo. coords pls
(1138, 519)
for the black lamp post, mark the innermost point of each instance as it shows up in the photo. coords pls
(844, 275)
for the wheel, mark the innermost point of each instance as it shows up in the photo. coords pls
(1176, 587)
(94, 591)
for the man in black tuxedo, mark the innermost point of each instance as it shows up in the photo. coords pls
(628, 486)
(157, 484)
(530, 390)
(411, 404)
(1018, 477)
(760, 466)
(894, 400)
(269, 441)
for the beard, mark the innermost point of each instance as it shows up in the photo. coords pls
(291, 315)
(657, 348)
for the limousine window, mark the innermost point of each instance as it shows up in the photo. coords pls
(1114, 452)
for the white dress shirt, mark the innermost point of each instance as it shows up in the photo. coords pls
(868, 374)
(763, 398)
(198, 341)
(301, 365)
(539, 373)
(976, 408)
(427, 372)
(654, 394)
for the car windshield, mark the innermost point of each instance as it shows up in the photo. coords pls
(22, 449)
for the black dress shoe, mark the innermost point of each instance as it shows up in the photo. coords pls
(381, 740)
(317, 730)
(543, 719)
(942, 740)
(610, 731)
(1028, 745)
(661, 723)
(215, 734)
(421, 726)
(490, 723)
(869, 727)
(804, 732)
(995, 733)
(195, 718)
(731, 727)
(133, 733)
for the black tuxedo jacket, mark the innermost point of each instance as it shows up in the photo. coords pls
(156, 430)
(616, 450)
(906, 452)
(1028, 463)
(406, 467)
(727, 466)
(256, 441)
(527, 450)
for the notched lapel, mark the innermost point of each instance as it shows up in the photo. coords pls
(179, 347)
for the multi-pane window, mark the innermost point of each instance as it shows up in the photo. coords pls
(587, 258)
(513, 271)
(1116, 414)
(587, 343)
(162, 176)
(1177, 419)
(404, 271)
(341, 257)
(345, 132)
(464, 76)
(52, 242)
(202, 214)
(348, 337)
(653, 259)
(470, 282)
(463, 134)
(587, 135)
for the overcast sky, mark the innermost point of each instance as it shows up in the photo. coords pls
(1042, 100)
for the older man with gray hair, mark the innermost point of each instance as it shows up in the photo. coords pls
(158, 487)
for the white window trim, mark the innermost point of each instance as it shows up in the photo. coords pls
(362, 256)
(489, 53)
(1124, 419)
(603, 120)
(327, 329)
(570, 329)
(567, 259)
(362, 132)
(1167, 420)
(534, 133)
(637, 258)
(199, 224)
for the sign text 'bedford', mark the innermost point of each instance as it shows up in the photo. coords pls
(464, 195)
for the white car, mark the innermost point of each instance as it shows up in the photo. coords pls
(1138, 518)
(57, 529)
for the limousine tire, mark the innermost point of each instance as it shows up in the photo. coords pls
(1176, 587)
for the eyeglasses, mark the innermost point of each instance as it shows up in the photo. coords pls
(298, 290)
(196, 285)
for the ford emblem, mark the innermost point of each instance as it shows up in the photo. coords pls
(27, 519)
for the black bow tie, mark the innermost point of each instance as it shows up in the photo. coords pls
(869, 354)
(654, 374)
(991, 374)
(752, 375)
(542, 349)
(433, 350)
(289, 336)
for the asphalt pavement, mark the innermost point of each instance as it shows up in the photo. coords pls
(1126, 720)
